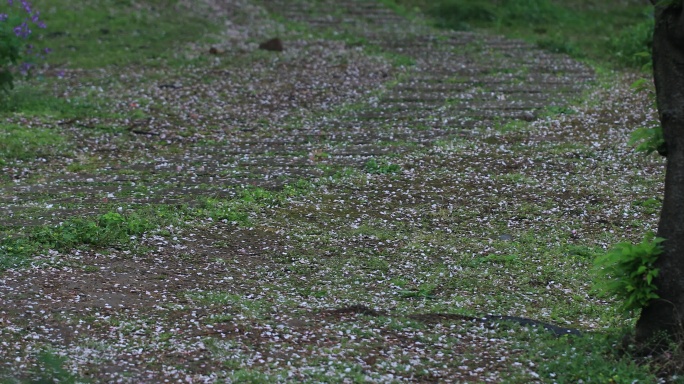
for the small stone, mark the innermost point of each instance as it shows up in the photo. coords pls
(505, 237)
(275, 45)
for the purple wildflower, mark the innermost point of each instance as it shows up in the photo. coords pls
(22, 30)
(27, 52)
(27, 6)
(25, 67)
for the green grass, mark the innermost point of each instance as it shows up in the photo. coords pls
(36, 100)
(20, 143)
(101, 33)
(114, 229)
(107, 230)
(610, 32)
(572, 360)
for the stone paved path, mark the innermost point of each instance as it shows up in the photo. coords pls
(323, 104)
(362, 278)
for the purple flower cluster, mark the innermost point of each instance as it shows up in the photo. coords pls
(23, 31)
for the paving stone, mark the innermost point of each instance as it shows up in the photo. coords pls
(457, 80)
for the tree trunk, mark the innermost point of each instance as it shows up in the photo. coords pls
(666, 315)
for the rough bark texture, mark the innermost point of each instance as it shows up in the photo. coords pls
(667, 313)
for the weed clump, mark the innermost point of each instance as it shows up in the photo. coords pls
(373, 166)
(627, 272)
(109, 228)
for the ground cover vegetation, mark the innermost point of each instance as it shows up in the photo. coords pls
(178, 204)
(613, 33)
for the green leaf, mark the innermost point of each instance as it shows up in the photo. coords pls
(626, 272)
(640, 85)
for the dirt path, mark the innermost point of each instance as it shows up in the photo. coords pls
(277, 300)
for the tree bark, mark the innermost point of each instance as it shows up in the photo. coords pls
(666, 315)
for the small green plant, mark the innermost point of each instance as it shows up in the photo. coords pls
(50, 369)
(375, 167)
(221, 210)
(651, 206)
(109, 229)
(649, 140)
(627, 272)
(297, 188)
(258, 195)
(53, 369)
(632, 46)
(111, 220)
(15, 251)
